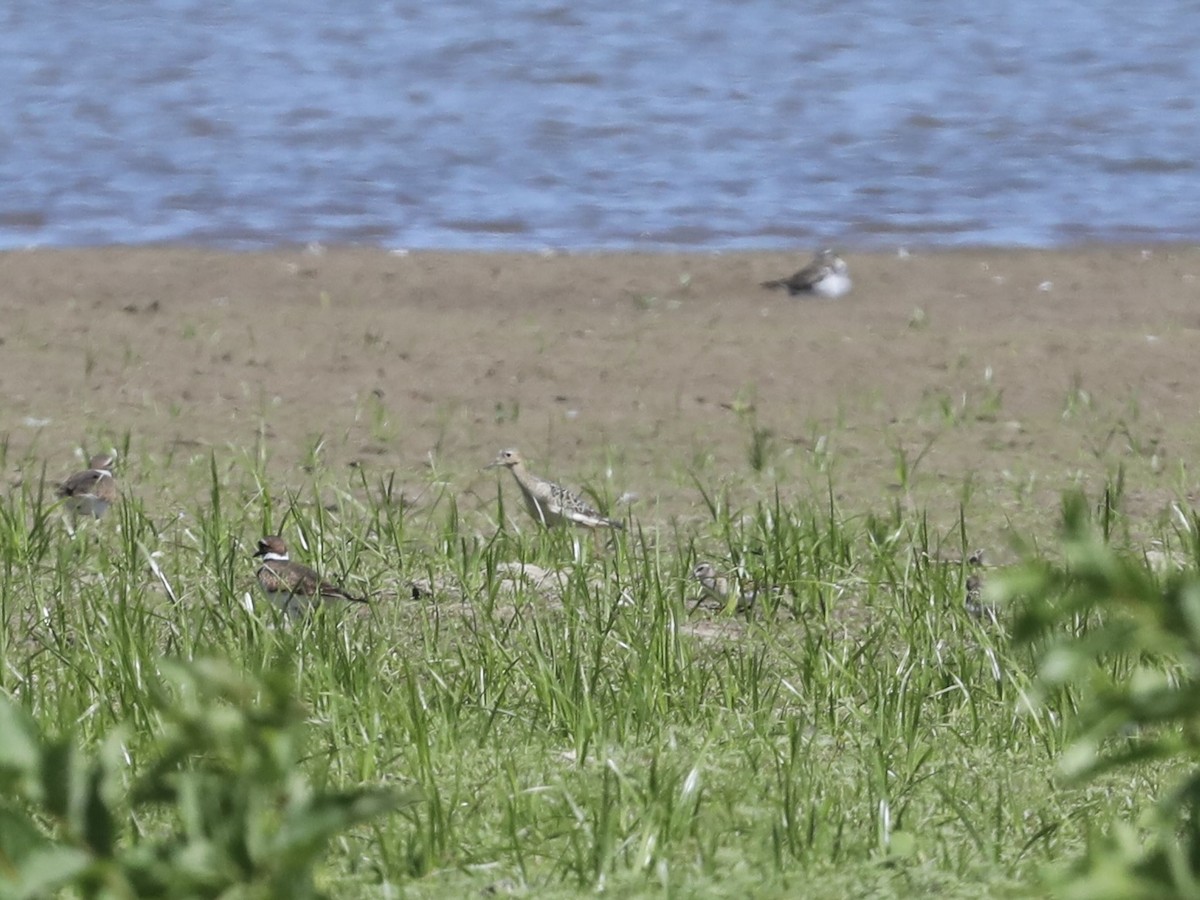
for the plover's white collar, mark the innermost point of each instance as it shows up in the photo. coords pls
(292, 586)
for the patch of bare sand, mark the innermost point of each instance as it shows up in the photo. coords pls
(1002, 361)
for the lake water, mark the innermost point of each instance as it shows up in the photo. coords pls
(587, 125)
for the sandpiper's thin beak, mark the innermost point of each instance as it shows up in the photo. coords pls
(491, 465)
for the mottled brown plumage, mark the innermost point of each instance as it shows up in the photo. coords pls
(975, 604)
(550, 504)
(715, 591)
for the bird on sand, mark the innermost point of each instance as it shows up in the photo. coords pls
(826, 276)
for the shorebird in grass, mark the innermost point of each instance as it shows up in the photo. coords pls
(292, 586)
(976, 606)
(716, 591)
(550, 504)
(826, 276)
(92, 491)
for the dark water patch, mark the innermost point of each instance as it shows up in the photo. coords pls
(920, 226)
(22, 219)
(485, 226)
(1148, 165)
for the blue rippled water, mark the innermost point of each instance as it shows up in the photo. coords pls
(537, 123)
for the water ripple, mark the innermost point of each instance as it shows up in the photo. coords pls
(584, 125)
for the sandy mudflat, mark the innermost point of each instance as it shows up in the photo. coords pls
(1024, 364)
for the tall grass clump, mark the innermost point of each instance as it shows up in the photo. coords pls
(520, 710)
(1118, 632)
(217, 803)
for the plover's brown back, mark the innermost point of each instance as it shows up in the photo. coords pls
(293, 587)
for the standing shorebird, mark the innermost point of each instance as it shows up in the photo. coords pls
(550, 504)
(292, 586)
(715, 590)
(92, 491)
(976, 606)
(826, 276)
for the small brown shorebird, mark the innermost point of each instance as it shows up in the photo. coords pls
(715, 591)
(826, 276)
(92, 491)
(975, 604)
(292, 586)
(550, 504)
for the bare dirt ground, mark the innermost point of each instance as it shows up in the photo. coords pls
(999, 372)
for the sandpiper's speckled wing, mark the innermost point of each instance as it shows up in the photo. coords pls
(548, 503)
(571, 506)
